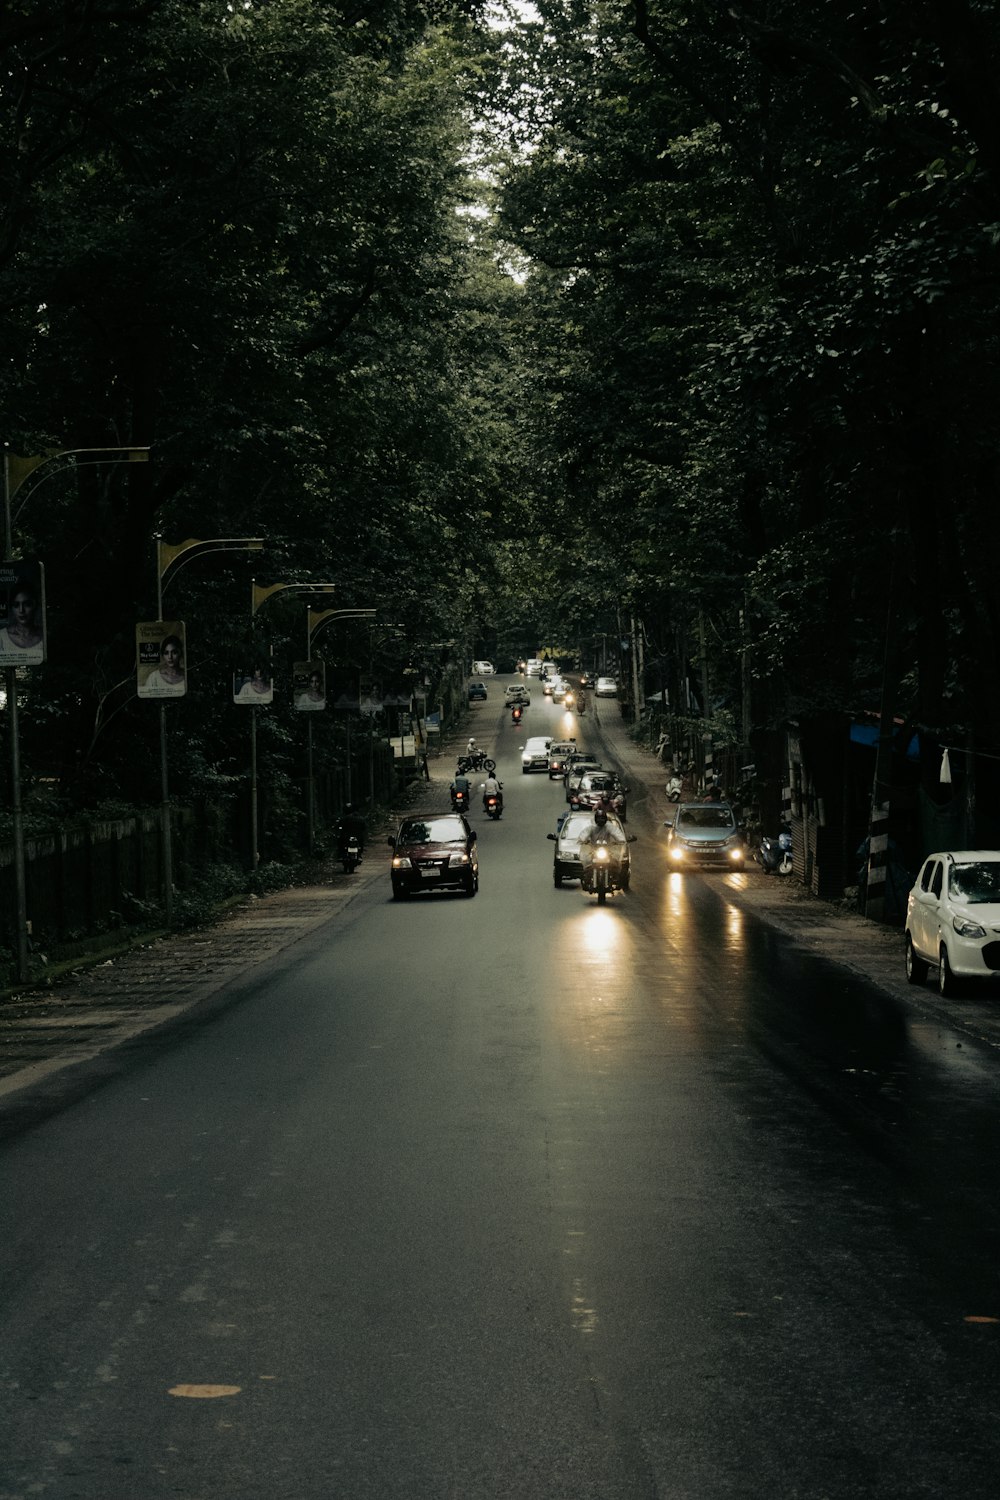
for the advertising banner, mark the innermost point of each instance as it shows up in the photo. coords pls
(255, 685)
(160, 659)
(22, 613)
(309, 685)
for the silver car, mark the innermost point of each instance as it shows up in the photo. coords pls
(703, 834)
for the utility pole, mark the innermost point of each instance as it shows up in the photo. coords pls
(878, 830)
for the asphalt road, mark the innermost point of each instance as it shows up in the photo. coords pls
(515, 1197)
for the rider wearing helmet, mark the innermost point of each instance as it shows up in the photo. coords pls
(603, 830)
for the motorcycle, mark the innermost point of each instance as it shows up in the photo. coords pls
(674, 788)
(775, 855)
(581, 703)
(478, 761)
(460, 795)
(351, 856)
(493, 803)
(604, 875)
(516, 714)
(569, 701)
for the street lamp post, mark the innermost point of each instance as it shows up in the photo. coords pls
(315, 620)
(259, 594)
(170, 559)
(16, 471)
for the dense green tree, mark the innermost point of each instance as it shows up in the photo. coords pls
(240, 234)
(769, 240)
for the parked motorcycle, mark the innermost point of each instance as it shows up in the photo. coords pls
(352, 854)
(775, 855)
(674, 788)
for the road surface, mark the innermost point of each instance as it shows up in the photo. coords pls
(515, 1197)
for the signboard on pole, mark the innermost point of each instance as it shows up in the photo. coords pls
(22, 613)
(255, 685)
(309, 685)
(160, 659)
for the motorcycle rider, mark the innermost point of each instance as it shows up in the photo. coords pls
(606, 831)
(351, 822)
(460, 784)
(492, 788)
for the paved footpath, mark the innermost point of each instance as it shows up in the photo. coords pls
(55, 1041)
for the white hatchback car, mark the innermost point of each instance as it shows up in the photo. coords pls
(606, 687)
(535, 754)
(483, 668)
(953, 918)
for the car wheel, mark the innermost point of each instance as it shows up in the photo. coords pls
(947, 983)
(916, 968)
(626, 880)
(557, 879)
(398, 893)
(471, 886)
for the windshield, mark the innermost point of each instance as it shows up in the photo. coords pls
(431, 831)
(706, 817)
(976, 883)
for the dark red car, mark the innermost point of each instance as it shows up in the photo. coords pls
(434, 852)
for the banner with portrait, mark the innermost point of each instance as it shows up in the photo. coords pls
(309, 685)
(22, 613)
(254, 683)
(160, 659)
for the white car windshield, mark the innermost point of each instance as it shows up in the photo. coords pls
(978, 884)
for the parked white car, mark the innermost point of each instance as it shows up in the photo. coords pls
(607, 687)
(953, 918)
(483, 668)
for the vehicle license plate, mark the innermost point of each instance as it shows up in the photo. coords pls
(430, 872)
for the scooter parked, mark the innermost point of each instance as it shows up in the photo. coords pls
(775, 855)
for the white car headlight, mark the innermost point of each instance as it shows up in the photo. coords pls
(967, 928)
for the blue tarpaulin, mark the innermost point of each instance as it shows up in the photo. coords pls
(867, 734)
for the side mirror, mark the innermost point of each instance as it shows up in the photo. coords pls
(668, 822)
(550, 835)
(474, 835)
